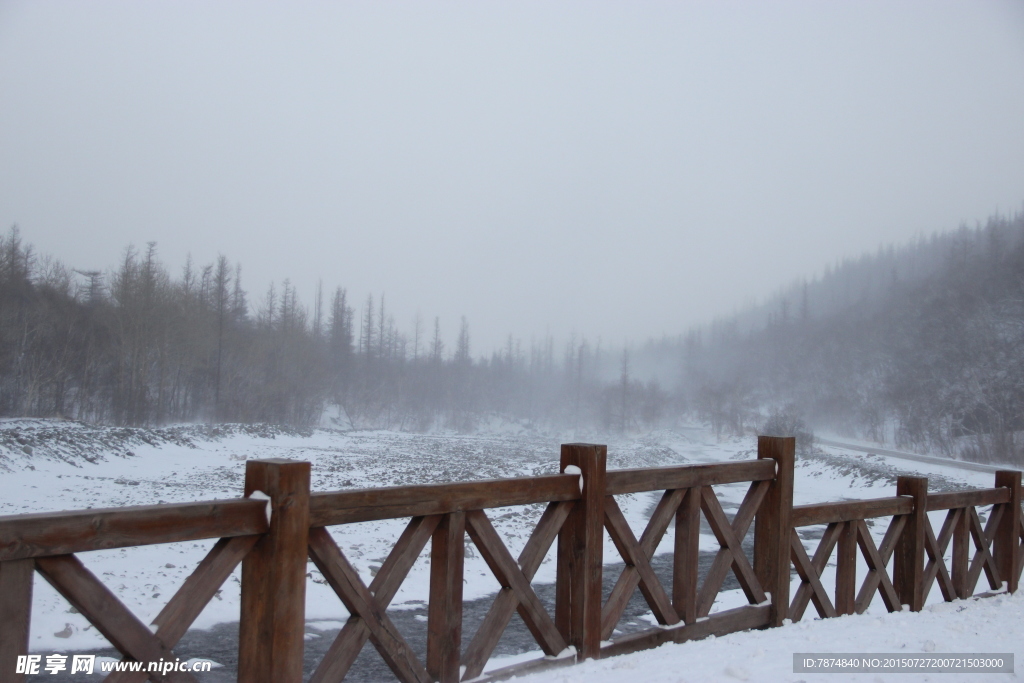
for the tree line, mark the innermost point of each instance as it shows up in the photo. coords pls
(137, 346)
(920, 345)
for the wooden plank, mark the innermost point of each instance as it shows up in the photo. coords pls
(104, 611)
(963, 499)
(200, 587)
(657, 525)
(749, 506)
(617, 600)
(908, 556)
(731, 554)
(687, 476)
(543, 536)
(64, 533)
(505, 604)
(873, 579)
(851, 510)
(961, 554)
(876, 568)
(719, 624)
(509, 575)
(444, 611)
(15, 615)
(402, 557)
(774, 521)
(272, 619)
(391, 502)
(1006, 539)
(846, 570)
(686, 556)
(821, 555)
(713, 581)
(344, 579)
(892, 536)
(809, 576)
(353, 635)
(580, 553)
(638, 570)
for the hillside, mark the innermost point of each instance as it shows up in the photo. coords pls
(921, 346)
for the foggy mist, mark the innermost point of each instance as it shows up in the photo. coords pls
(595, 217)
(616, 171)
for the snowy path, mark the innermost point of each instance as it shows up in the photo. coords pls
(916, 457)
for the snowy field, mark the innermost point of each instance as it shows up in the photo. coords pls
(50, 465)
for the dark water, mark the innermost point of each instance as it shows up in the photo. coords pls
(220, 643)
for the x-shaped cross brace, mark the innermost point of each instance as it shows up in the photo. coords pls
(731, 554)
(509, 598)
(936, 549)
(983, 542)
(131, 637)
(810, 573)
(368, 620)
(637, 556)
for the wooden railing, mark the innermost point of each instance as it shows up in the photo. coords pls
(917, 555)
(273, 538)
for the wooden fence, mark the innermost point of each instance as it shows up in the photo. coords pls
(272, 540)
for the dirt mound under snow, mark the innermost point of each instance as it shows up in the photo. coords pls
(24, 440)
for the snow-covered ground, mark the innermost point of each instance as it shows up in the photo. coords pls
(50, 465)
(989, 625)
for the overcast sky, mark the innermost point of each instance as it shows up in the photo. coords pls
(620, 170)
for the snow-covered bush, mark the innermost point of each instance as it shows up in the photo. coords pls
(788, 422)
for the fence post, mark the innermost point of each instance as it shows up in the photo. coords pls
(1007, 540)
(272, 622)
(908, 557)
(444, 610)
(581, 553)
(772, 526)
(686, 556)
(15, 612)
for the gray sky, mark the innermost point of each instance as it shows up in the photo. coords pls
(617, 169)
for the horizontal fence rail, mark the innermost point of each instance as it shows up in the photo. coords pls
(280, 524)
(364, 505)
(687, 476)
(828, 513)
(63, 533)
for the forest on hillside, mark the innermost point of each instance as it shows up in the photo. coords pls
(920, 345)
